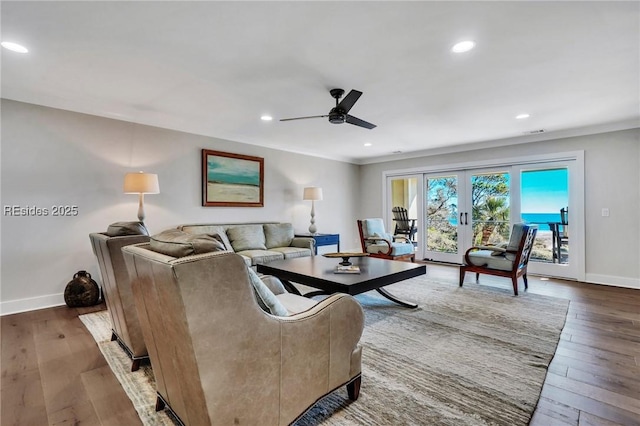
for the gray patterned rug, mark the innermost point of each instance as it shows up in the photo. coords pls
(467, 356)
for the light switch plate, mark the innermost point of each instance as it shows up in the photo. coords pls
(605, 212)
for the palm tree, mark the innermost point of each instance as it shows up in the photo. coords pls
(490, 213)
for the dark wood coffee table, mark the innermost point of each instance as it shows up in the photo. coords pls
(318, 272)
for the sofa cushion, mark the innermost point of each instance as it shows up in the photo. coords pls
(516, 236)
(179, 244)
(484, 257)
(246, 237)
(278, 234)
(374, 228)
(261, 256)
(265, 297)
(209, 229)
(118, 229)
(292, 252)
(397, 249)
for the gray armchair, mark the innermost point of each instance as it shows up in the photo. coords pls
(117, 293)
(378, 243)
(219, 358)
(510, 261)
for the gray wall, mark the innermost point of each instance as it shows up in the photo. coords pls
(612, 179)
(54, 157)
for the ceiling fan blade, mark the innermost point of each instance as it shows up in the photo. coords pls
(349, 100)
(303, 118)
(355, 120)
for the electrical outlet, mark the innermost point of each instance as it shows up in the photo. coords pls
(605, 212)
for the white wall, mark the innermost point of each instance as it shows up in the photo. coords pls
(54, 157)
(612, 180)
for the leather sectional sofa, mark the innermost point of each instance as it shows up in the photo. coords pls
(257, 242)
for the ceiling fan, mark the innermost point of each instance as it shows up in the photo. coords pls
(339, 114)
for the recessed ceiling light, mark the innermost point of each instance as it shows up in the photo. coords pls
(266, 118)
(463, 46)
(14, 47)
(522, 116)
(367, 144)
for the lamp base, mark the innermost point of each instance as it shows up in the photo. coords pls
(313, 229)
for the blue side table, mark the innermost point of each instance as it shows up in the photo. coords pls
(323, 240)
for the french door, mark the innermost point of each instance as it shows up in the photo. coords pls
(465, 208)
(458, 209)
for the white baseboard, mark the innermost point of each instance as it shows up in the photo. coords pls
(31, 304)
(613, 280)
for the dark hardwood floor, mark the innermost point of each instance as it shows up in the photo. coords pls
(54, 374)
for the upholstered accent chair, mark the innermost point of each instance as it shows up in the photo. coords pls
(376, 241)
(117, 292)
(219, 358)
(510, 261)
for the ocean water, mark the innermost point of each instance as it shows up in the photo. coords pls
(541, 219)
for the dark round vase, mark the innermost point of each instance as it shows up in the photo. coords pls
(81, 291)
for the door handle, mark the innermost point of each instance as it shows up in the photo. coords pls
(466, 222)
(461, 222)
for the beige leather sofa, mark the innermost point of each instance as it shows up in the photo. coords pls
(117, 293)
(218, 358)
(258, 242)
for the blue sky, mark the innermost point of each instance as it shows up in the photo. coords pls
(544, 191)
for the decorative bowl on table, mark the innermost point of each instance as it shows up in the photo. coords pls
(345, 256)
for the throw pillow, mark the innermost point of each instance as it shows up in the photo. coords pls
(246, 237)
(274, 284)
(179, 244)
(119, 229)
(208, 229)
(278, 234)
(266, 299)
(502, 247)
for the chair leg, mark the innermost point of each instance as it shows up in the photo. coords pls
(526, 284)
(353, 388)
(159, 404)
(477, 277)
(515, 285)
(135, 365)
(463, 272)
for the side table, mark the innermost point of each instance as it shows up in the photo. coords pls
(323, 240)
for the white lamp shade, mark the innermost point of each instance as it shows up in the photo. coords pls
(312, 193)
(141, 183)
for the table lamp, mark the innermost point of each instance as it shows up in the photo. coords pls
(312, 193)
(141, 183)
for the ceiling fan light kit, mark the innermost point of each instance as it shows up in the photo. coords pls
(340, 113)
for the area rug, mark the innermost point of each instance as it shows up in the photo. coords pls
(474, 355)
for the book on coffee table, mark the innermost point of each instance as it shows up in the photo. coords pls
(351, 269)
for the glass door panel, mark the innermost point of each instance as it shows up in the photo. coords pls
(441, 218)
(490, 213)
(544, 202)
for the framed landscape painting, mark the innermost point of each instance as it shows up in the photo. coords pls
(232, 180)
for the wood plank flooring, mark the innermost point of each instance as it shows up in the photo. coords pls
(54, 374)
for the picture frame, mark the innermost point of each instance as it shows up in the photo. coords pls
(232, 180)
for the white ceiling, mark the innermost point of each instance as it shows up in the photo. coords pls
(213, 68)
